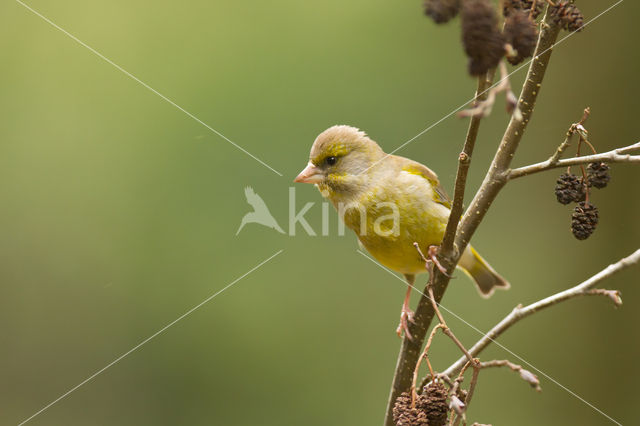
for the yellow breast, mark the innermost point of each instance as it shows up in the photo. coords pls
(389, 219)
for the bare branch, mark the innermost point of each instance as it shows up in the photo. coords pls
(459, 407)
(472, 385)
(575, 127)
(495, 178)
(483, 109)
(464, 162)
(525, 375)
(494, 181)
(429, 264)
(425, 356)
(614, 295)
(446, 330)
(618, 155)
(582, 289)
(586, 288)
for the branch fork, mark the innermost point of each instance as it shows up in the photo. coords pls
(457, 405)
(463, 224)
(484, 108)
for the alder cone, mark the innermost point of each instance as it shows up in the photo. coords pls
(483, 42)
(521, 32)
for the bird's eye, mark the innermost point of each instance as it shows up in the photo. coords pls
(331, 160)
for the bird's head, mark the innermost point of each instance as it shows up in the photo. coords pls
(340, 158)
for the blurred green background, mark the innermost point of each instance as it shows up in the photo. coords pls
(118, 214)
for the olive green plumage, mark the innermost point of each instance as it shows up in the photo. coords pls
(368, 187)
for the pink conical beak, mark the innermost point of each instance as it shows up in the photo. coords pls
(310, 174)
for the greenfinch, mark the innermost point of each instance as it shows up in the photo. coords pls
(390, 202)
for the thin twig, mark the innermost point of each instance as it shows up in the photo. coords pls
(457, 406)
(464, 162)
(429, 264)
(534, 6)
(483, 109)
(459, 413)
(467, 400)
(582, 289)
(575, 127)
(495, 178)
(456, 415)
(446, 330)
(614, 295)
(472, 385)
(525, 375)
(425, 356)
(618, 155)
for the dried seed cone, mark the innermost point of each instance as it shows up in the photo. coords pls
(569, 188)
(510, 6)
(584, 220)
(483, 42)
(436, 404)
(431, 407)
(598, 175)
(441, 11)
(522, 33)
(404, 415)
(567, 15)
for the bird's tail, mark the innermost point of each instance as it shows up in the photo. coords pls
(485, 277)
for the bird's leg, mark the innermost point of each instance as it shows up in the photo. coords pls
(406, 314)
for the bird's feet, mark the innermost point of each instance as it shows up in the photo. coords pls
(406, 316)
(432, 256)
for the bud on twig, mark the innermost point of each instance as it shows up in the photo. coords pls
(530, 378)
(614, 295)
(457, 405)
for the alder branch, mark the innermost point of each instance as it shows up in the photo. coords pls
(410, 351)
(425, 356)
(483, 109)
(442, 325)
(618, 155)
(472, 386)
(573, 129)
(494, 181)
(586, 288)
(525, 375)
(496, 176)
(464, 162)
(458, 407)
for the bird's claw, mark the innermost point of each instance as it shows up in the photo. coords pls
(406, 316)
(432, 255)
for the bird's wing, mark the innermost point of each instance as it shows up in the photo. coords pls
(416, 168)
(254, 199)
